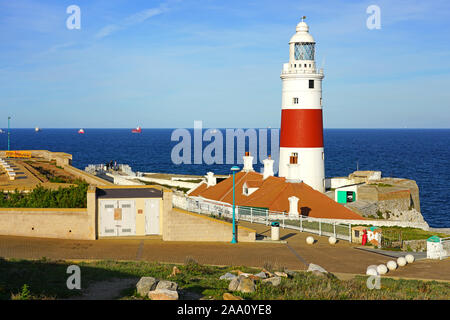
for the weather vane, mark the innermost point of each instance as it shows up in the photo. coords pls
(303, 18)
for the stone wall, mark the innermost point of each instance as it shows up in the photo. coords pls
(415, 245)
(181, 225)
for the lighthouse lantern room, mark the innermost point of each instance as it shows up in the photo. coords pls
(301, 115)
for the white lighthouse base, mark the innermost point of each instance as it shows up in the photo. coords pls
(312, 166)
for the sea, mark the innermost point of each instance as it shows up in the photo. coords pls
(422, 155)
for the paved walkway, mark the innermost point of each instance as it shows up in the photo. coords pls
(295, 255)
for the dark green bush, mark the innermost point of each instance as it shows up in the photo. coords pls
(40, 197)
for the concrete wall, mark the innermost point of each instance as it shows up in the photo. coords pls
(181, 225)
(47, 223)
(61, 223)
(89, 178)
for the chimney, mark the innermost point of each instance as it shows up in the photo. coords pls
(210, 179)
(268, 168)
(248, 162)
(293, 169)
(293, 206)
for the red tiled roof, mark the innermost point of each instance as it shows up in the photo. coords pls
(273, 193)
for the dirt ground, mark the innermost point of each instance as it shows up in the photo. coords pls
(342, 258)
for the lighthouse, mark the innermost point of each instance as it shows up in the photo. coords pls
(301, 134)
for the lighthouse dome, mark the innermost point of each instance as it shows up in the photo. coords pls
(302, 34)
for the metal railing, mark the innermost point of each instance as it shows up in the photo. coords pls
(322, 227)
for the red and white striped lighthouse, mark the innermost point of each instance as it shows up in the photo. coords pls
(301, 114)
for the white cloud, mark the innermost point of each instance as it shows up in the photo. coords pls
(129, 21)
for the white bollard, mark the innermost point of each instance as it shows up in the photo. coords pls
(409, 258)
(372, 270)
(401, 261)
(332, 240)
(382, 269)
(309, 240)
(392, 265)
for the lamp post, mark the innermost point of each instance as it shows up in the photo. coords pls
(8, 134)
(234, 169)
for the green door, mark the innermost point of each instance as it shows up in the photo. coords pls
(342, 196)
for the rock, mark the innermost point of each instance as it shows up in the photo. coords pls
(267, 273)
(332, 240)
(175, 271)
(310, 240)
(290, 273)
(246, 285)
(275, 281)
(281, 274)
(229, 296)
(243, 274)
(146, 284)
(234, 284)
(166, 285)
(317, 273)
(228, 276)
(253, 277)
(314, 267)
(261, 275)
(163, 294)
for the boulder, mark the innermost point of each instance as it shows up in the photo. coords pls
(281, 274)
(229, 296)
(317, 273)
(314, 267)
(145, 285)
(261, 275)
(290, 273)
(166, 285)
(275, 281)
(228, 276)
(163, 294)
(234, 284)
(268, 273)
(246, 285)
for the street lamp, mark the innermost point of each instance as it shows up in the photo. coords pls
(8, 134)
(234, 169)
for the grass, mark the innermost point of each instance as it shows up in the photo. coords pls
(44, 279)
(412, 233)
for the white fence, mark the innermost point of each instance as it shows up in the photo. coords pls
(323, 227)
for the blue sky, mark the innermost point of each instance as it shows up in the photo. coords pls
(164, 64)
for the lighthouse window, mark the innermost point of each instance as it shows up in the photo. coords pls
(311, 84)
(295, 101)
(304, 51)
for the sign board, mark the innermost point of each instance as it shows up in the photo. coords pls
(18, 154)
(118, 214)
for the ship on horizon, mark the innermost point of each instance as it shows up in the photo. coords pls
(81, 131)
(137, 130)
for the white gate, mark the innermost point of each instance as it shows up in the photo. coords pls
(117, 218)
(152, 216)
